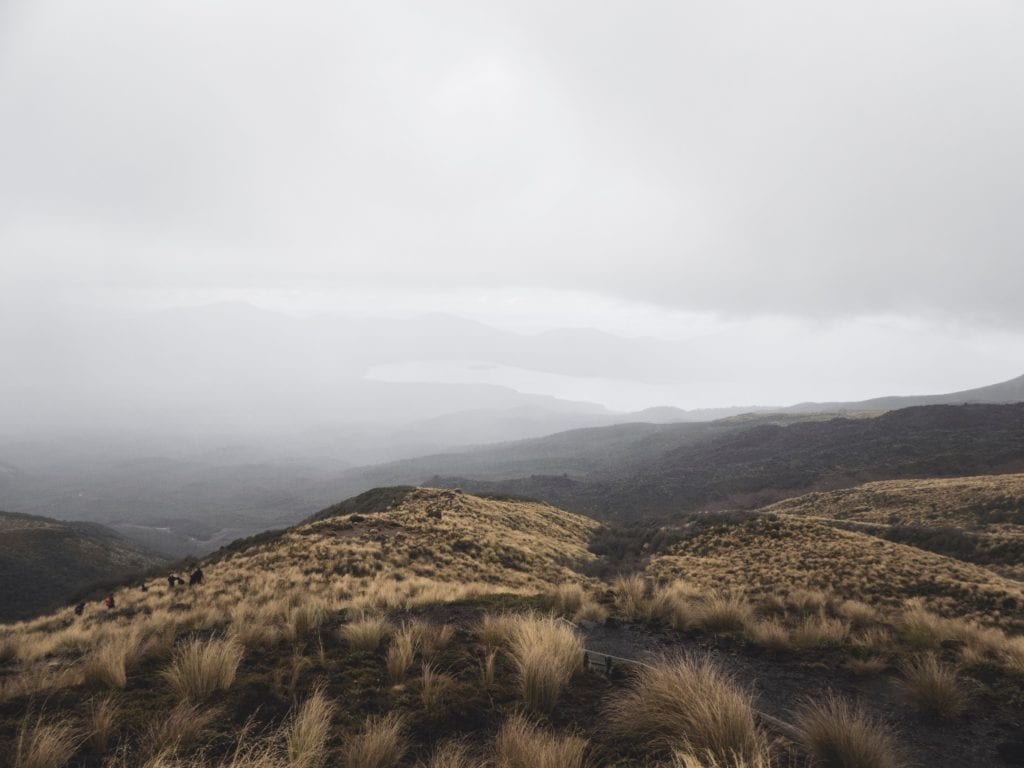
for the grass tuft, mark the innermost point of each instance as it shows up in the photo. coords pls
(366, 633)
(100, 719)
(44, 744)
(933, 687)
(547, 653)
(521, 744)
(690, 705)
(201, 667)
(381, 744)
(837, 734)
(307, 733)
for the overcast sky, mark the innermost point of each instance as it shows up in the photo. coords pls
(830, 196)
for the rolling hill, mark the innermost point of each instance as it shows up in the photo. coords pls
(44, 562)
(974, 519)
(416, 626)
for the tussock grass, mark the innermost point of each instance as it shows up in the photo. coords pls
(672, 604)
(686, 760)
(381, 744)
(817, 630)
(522, 744)
(591, 610)
(452, 754)
(565, 599)
(431, 639)
(770, 633)
(496, 631)
(631, 596)
(45, 744)
(108, 664)
(401, 653)
(305, 618)
(837, 734)
(724, 613)
(201, 667)
(807, 601)
(574, 602)
(689, 705)
(366, 633)
(100, 718)
(178, 730)
(308, 731)
(859, 614)
(920, 628)
(547, 653)
(433, 686)
(933, 687)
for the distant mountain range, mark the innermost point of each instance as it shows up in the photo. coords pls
(45, 562)
(645, 470)
(1011, 391)
(180, 502)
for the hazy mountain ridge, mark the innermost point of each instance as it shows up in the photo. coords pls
(1011, 391)
(722, 465)
(183, 497)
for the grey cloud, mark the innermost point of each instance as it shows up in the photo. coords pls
(740, 158)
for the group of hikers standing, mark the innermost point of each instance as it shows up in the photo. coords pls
(173, 581)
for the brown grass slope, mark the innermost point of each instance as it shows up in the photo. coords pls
(432, 534)
(412, 633)
(976, 519)
(43, 562)
(768, 555)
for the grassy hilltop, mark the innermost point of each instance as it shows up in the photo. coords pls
(424, 627)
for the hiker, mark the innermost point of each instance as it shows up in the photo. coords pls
(173, 581)
(109, 600)
(79, 609)
(196, 577)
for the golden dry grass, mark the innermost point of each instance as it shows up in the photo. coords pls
(100, 720)
(453, 754)
(45, 743)
(631, 596)
(987, 507)
(496, 630)
(181, 728)
(766, 555)
(400, 654)
(433, 686)
(201, 667)
(381, 744)
(547, 653)
(366, 633)
(275, 599)
(307, 733)
(688, 705)
(934, 687)
(523, 744)
(837, 734)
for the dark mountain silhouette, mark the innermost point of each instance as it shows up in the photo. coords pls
(645, 470)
